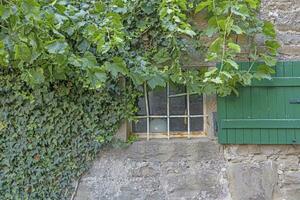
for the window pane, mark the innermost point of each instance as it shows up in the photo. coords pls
(178, 124)
(177, 89)
(141, 107)
(158, 125)
(141, 103)
(196, 124)
(196, 105)
(158, 101)
(178, 105)
(140, 126)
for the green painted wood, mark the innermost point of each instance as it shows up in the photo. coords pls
(221, 107)
(267, 112)
(245, 95)
(260, 123)
(278, 81)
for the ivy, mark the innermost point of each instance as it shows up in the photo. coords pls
(62, 62)
(49, 136)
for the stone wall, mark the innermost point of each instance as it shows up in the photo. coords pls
(197, 169)
(201, 168)
(263, 172)
(158, 169)
(286, 16)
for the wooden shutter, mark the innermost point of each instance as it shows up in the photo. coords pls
(268, 112)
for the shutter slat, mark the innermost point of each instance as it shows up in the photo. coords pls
(260, 123)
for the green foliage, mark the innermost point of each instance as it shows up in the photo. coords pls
(61, 60)
(48, 136)
(145, 41)
(228, 20)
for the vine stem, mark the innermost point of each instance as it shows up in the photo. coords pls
(3, 27)
(253, 61)
(224, 42)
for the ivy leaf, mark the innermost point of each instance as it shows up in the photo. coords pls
(235, 47)
(247, 78)
(100, 76)
(161, 56)
(99, 7)
(272, 46)
(156, 81)
(148, 7)
(263, 72)
(188, 32)
(3, 54)
(237, 29)
(210, 72)
(34, 77)
(216, 45)
(97, 77)
(241, 10)
(216, 80)
(232, 63)
(5, 12)
(57, 47)
(253, 3)
(31, 8)
(268, 29)
(116, 66)
(210, 31)
(226, 74)
(22, 52)
(269, 60)
(202, 5)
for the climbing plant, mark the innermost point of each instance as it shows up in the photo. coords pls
(63, 62)
(145, 41)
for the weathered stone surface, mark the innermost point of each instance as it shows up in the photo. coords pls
(291, 185)
(286, 16)
(252, 181)
(160, 169)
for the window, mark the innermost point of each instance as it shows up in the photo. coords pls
(170, 113)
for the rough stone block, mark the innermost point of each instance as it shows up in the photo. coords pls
(252, 181)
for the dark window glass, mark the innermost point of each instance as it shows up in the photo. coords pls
(177, 89)
(140, 126)
(141, 107)
(158, 101)
(196, 124)
(158, 125)
(178, 124)
(196, 105)
(178, 105)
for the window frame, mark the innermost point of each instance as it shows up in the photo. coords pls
(175, 134)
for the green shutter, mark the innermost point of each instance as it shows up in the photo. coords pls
(268, 112)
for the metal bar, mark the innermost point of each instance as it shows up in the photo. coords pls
(151, 116)
(170, 116)
(147, 111)
(194, 116)
(175, 135)
(188, 114)
(168, 110)
(179, 95)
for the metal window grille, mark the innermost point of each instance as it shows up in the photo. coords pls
(187, 116)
